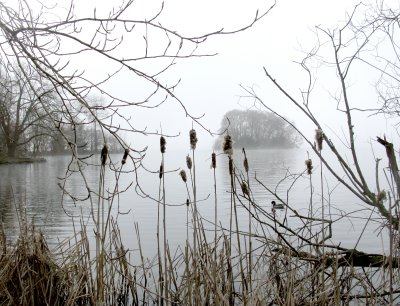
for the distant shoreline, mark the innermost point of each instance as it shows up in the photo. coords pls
(21, 160)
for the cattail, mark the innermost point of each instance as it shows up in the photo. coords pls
(309, 166)
(319, 137)
(182, 173)
(246, 164)
(244, 187)
(227, 145)
(193, 138)
(230, 165)
(187, 202)
(213, 161)
(125, 156)
(104, 153)
(189, 162)
(381, 195)
(245, 161)
(160, 174)
(163, 142)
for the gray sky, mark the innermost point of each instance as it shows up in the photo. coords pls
(210, 85)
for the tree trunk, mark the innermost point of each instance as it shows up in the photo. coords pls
(11, 149)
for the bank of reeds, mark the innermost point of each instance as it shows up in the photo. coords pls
(267, 262)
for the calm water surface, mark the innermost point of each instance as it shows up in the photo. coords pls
(35, 188)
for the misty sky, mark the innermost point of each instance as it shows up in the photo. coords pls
(210, 85)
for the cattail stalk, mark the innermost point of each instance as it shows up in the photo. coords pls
(160, 263)
(162, 177)
(230, 168)
(309, 168)
(242, 273)
(319, 137)
(214, 166)
(249, 261)
(183, 176)
(100, 228)
(192, 165)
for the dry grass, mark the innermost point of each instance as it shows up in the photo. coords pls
(269, 263)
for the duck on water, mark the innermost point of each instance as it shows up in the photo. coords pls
(277, 206)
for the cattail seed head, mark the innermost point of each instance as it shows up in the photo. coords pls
(245, 188)
(230, 165)
(227, 145)
(319, 137)
(381, 196)
(182, 173)
(187, 202)
(309, 166)
(213, 160)
(160, 174)
(126, 152)
(245, 161)
(246, 164)
(193, 138)
(189, 162)
(163, 142)
(104, 153)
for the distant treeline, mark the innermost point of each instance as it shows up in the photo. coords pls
(257, 129)
(87, 138)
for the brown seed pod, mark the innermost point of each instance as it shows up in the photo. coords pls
(245, 188)
(319, 138)
(227, 145)
(126, 152)
(213, 160)
(163, 142)
(193, 138)
(189, 163)
(182, 173)
(245, 161)
(381, 196)
(309, 166)
(103, 154)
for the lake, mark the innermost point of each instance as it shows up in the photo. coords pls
(36, 189)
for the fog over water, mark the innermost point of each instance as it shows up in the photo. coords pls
(34, 188)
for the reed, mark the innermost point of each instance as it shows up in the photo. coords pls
(279, 265)
(250, 234)
(215, 288)
(196, 240)
(162, 178)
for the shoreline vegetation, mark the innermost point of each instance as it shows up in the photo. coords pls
(21, 160)
(255, 129)
(5, 160)
(269, 263)
(50, 101)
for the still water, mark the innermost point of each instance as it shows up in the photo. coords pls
(35, 188)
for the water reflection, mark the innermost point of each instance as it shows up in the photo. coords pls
(34, 188)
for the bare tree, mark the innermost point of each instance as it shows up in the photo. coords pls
(49, 45)
(56, 47)
(364, 50)
(22, 118)
(347, 46)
